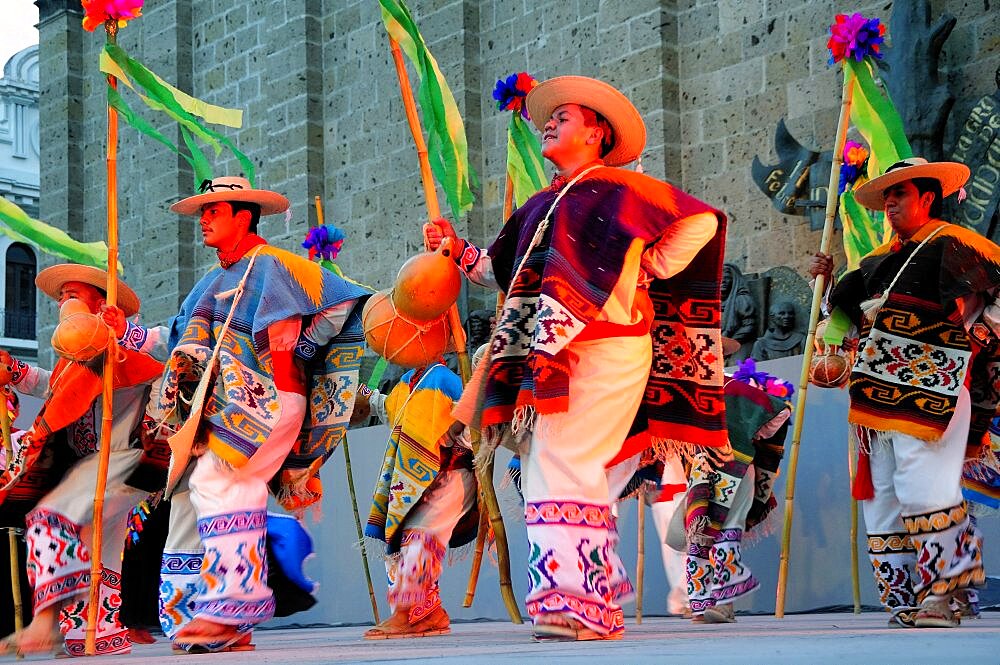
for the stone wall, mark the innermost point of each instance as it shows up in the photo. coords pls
(324, 117)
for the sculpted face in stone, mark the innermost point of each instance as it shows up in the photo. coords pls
(567, 141)
(783, 316)
(220, 228)
(906, 208)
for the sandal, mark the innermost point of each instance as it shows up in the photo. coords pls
(222, 637)
(935, 614)
(568, 630)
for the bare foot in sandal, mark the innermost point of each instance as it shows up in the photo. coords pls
(202, 631)
(39, 636)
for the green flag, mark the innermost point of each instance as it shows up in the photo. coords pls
(16, 224)
(446, 144)
(524, 159)
(190, 114)
(875, 117)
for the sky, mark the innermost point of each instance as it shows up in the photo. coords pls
(17, 30)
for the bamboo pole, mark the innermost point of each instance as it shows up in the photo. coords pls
(477, 559)
(350, 480)
(96, 565)
(15, 566)
(484, 472)
(640, 563)
(855, 573)
(819, 286)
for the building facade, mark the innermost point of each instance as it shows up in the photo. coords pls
(19, 173)
(712, 79)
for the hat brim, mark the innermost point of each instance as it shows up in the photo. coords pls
(271, 203)
(621, 114)
(951, 175)
(52, 279)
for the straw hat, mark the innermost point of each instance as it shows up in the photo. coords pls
(951, 175)
(52, 279)
(231, 188)
(626, 123)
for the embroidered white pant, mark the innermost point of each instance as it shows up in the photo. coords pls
(716, 573)
(918, 515)
(58, 534)
(231, 505)
(674, 562)
(180, 567)
(415, 570)
(573, 569)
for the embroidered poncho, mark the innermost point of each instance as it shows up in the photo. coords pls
(758, 423)
(419, 410)
(917, 355)
(73, 388)
(567, 280)
(243, 406)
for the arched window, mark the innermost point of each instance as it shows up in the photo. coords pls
(19, 301)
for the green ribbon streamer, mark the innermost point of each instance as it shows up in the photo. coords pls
(836, 328)
(16, 224)
(447, 149)
(863, 229)
(380, 366)
(524, 159)
(160, 98)
(876, 118)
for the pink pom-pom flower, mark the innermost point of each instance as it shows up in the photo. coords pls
(96, 12)
(855, 37)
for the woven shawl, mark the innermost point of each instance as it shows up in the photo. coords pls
(916, 356)
(243, 406)
(73, 387)
(713, 485)
(419, 410)
(565, 284)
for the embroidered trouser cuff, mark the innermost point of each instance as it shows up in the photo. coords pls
(949, 552)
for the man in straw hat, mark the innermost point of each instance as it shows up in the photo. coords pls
(67, 432)
(271, 333)
(608, 344)
(922, 389)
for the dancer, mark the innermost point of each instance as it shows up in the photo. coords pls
(58, 529)
(282, 328)
(608, 342)
(425, 497)
(921, 388)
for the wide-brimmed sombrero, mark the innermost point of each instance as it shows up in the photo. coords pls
(951, 175)
(52, 279)
(231, 188)
(626, 123)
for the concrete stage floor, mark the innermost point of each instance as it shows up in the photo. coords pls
(841, 639)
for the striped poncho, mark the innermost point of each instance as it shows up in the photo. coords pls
(566, 282)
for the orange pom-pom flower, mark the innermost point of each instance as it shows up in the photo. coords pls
(96, 12)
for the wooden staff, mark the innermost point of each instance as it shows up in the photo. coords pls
(350, 480)
(477, 559)
(96, 565)
(640, 563)
(819, 286)
(15, 566)
(484, 472)
(855, 575)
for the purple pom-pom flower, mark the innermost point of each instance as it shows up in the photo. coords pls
(510, 92)
(324, 240)
(855, 36)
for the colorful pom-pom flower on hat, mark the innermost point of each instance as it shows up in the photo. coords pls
(510, 92)
(855, 156)
(97, 12)
(854, 36)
